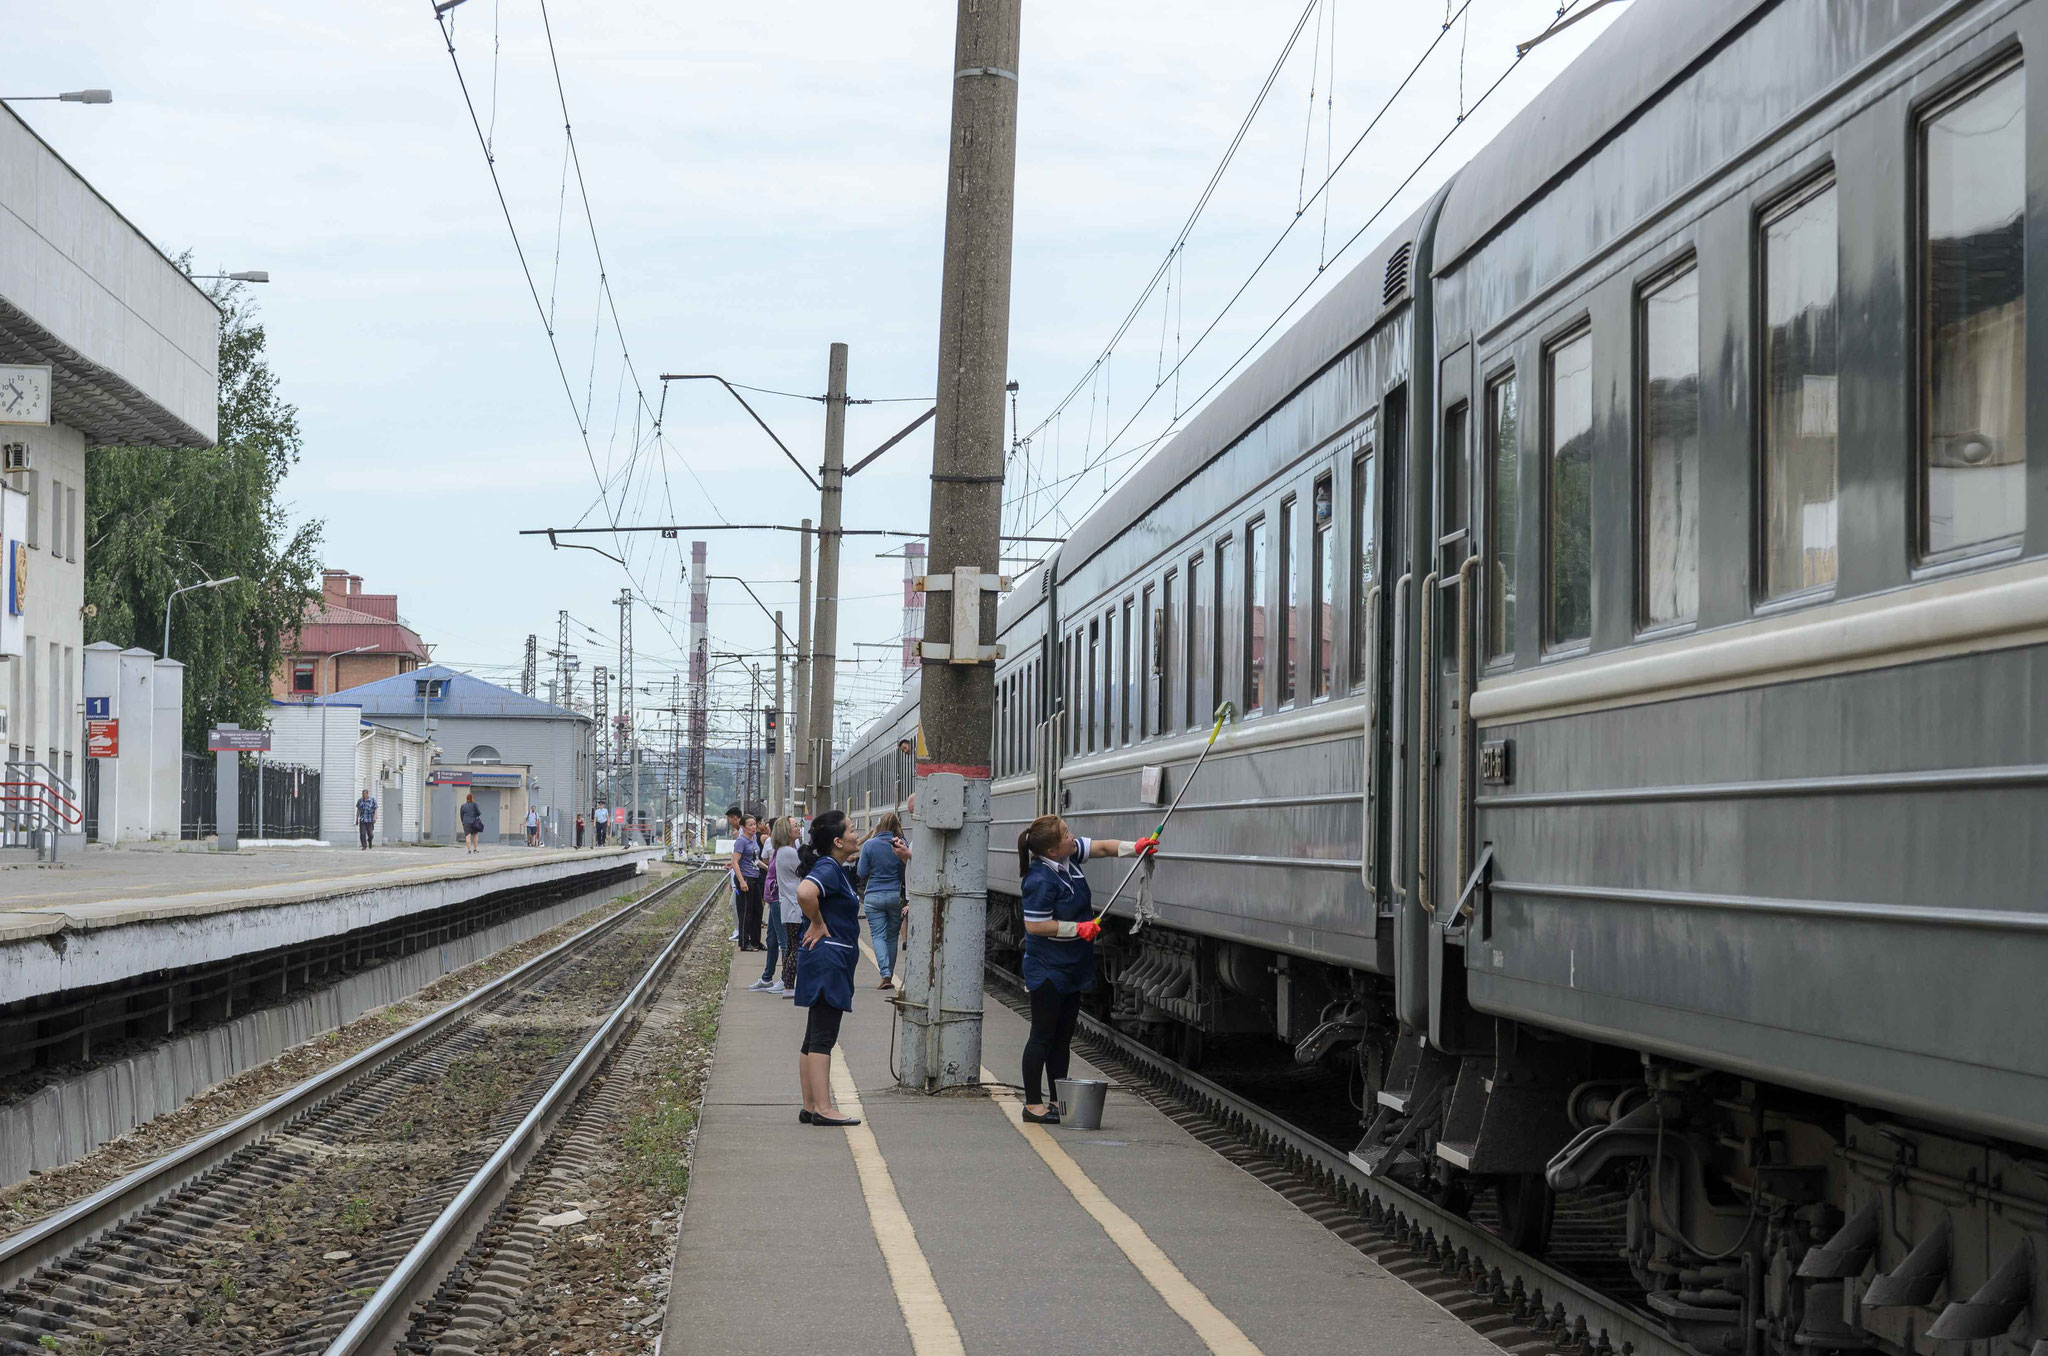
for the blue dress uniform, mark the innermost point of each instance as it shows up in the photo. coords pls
(1059, 891)
(825, 971)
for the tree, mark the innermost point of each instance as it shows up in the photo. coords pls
(158, 518)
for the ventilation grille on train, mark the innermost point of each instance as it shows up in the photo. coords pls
(1397, 275)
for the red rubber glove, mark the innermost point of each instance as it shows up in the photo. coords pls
(1088, 929)
(1146, 846)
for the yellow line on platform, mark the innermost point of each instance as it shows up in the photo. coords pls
(925, 1313)
(1215, 1329)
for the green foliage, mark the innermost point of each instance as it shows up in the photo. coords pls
(160, 517)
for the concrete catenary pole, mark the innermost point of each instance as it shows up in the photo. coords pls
(629, 738)
(777, 735)
(801, 738)
(947, 923)
(825, 635)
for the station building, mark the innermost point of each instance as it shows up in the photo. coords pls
(103, 342)
(526, 751)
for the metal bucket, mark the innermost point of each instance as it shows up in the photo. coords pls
(1081, 1102)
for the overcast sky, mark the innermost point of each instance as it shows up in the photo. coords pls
(765, 180)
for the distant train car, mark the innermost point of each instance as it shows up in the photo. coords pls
(1630, 580)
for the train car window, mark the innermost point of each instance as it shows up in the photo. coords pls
(1199, 603)
(1255, 617)
(1973, 453)
(1164, 652)
(1094, 650)
(1290, 605)
(1323, 592)
(1451, 522)
(1148, 665)
(1224, 583)
(1568, 492)
(1800, 369)
(1124, 676)
(1670, 330)
(1364, 559)
(1503, 515)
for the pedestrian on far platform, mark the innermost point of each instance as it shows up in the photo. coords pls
(602, 818)
(826, 958)
(366, 817)
(880, 872)
(579, 828)
(746, 869)
(532, 827)
(472, 821)
(1059, 945)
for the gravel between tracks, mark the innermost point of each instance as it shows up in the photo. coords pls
(45, 1193)
(273, 1251)
(622, 1160)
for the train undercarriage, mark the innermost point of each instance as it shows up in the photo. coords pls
(1747, 1217)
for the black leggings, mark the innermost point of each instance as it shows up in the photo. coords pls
(1053, 1015)
(821, 1032)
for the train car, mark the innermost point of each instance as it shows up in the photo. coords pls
(1630, 582)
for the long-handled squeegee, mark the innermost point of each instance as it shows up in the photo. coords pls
(1145, 911)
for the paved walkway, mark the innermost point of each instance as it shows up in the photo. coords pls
(944, 1224)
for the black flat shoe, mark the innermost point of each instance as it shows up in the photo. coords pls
(1051, 1116)
(817, 1119)
(803, 1118)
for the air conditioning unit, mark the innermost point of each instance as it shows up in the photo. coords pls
(14, 457)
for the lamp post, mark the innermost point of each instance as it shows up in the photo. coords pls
(206, 584)
(246, 275)
(75, 96)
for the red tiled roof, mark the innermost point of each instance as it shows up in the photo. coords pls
(330, 629)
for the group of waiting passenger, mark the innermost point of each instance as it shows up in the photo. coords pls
(819, 891)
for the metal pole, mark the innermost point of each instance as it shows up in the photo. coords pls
(800, 748)
(947, 923)
(775, 788)
(825, 635)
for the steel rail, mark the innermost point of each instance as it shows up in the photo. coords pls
(21, 1254)
(1330, 1166)
(383, 1321)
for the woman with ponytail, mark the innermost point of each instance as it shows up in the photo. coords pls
(826, 957)
(1059, 945)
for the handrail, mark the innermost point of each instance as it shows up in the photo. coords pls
(1425, 738)
(1368, 864)
(72, 813)
(1468, 605)
(1396, 828)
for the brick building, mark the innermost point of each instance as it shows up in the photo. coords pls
(348, 638)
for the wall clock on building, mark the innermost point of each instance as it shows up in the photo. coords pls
(24, 393)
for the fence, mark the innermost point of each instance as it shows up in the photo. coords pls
(274, 800)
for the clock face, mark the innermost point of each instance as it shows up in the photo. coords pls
(24, 394)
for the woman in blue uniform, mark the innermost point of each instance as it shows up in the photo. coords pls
(826, 958)
(1059, 944)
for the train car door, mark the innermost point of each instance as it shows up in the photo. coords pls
(1371, 530)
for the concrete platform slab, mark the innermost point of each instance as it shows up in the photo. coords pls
(127, 912)
(776, 1252)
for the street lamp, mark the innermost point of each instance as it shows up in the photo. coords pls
(76, 96)
(247, 275)
(207, 584)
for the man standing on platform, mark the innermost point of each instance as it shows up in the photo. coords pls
(366, 817)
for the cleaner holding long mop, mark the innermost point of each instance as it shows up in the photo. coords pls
(1061, 924)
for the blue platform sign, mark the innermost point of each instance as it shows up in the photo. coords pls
(99, 708)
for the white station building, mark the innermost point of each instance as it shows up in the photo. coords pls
(103, 342)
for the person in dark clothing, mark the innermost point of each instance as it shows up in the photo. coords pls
(579, 828)
(746, 869)
(472, 821)
(366, 817)
(826, 959)
(1059, 945)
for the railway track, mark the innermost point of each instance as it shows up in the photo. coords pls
(319, 1221)
(1521, 1302)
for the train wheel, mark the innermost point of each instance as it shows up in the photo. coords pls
(1527, 1205)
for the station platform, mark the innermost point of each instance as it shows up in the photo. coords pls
(946, 1224)
(107, 916)
(135, 978)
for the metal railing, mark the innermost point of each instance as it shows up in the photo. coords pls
(37, 805)
(273, 800)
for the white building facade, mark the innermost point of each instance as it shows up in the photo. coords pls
(103, 341)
